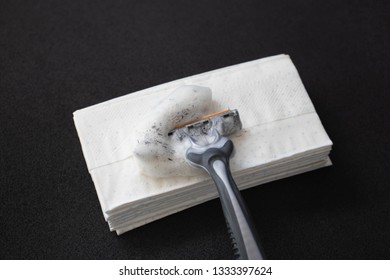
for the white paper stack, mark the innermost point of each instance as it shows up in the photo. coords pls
(282, 136)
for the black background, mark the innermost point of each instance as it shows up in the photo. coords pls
(60, 56)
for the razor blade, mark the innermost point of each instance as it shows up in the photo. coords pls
(225, 122)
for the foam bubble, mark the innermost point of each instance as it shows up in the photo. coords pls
(160, 155)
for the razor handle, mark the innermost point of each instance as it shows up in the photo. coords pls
(215, 160)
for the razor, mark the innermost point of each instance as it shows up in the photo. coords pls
(210, 149)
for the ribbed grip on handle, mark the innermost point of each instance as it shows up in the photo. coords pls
(236, 250)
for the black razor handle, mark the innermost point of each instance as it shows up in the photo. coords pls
(215, 160)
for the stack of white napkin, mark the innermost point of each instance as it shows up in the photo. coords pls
(282, 136)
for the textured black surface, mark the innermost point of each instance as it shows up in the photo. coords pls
(60, 56)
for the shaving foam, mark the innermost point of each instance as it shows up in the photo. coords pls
(158, 154)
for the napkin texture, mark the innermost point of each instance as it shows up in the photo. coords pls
(282, 136)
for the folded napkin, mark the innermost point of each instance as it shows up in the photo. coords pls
(282, 136)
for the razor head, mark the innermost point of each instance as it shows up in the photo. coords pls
(225, 122)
